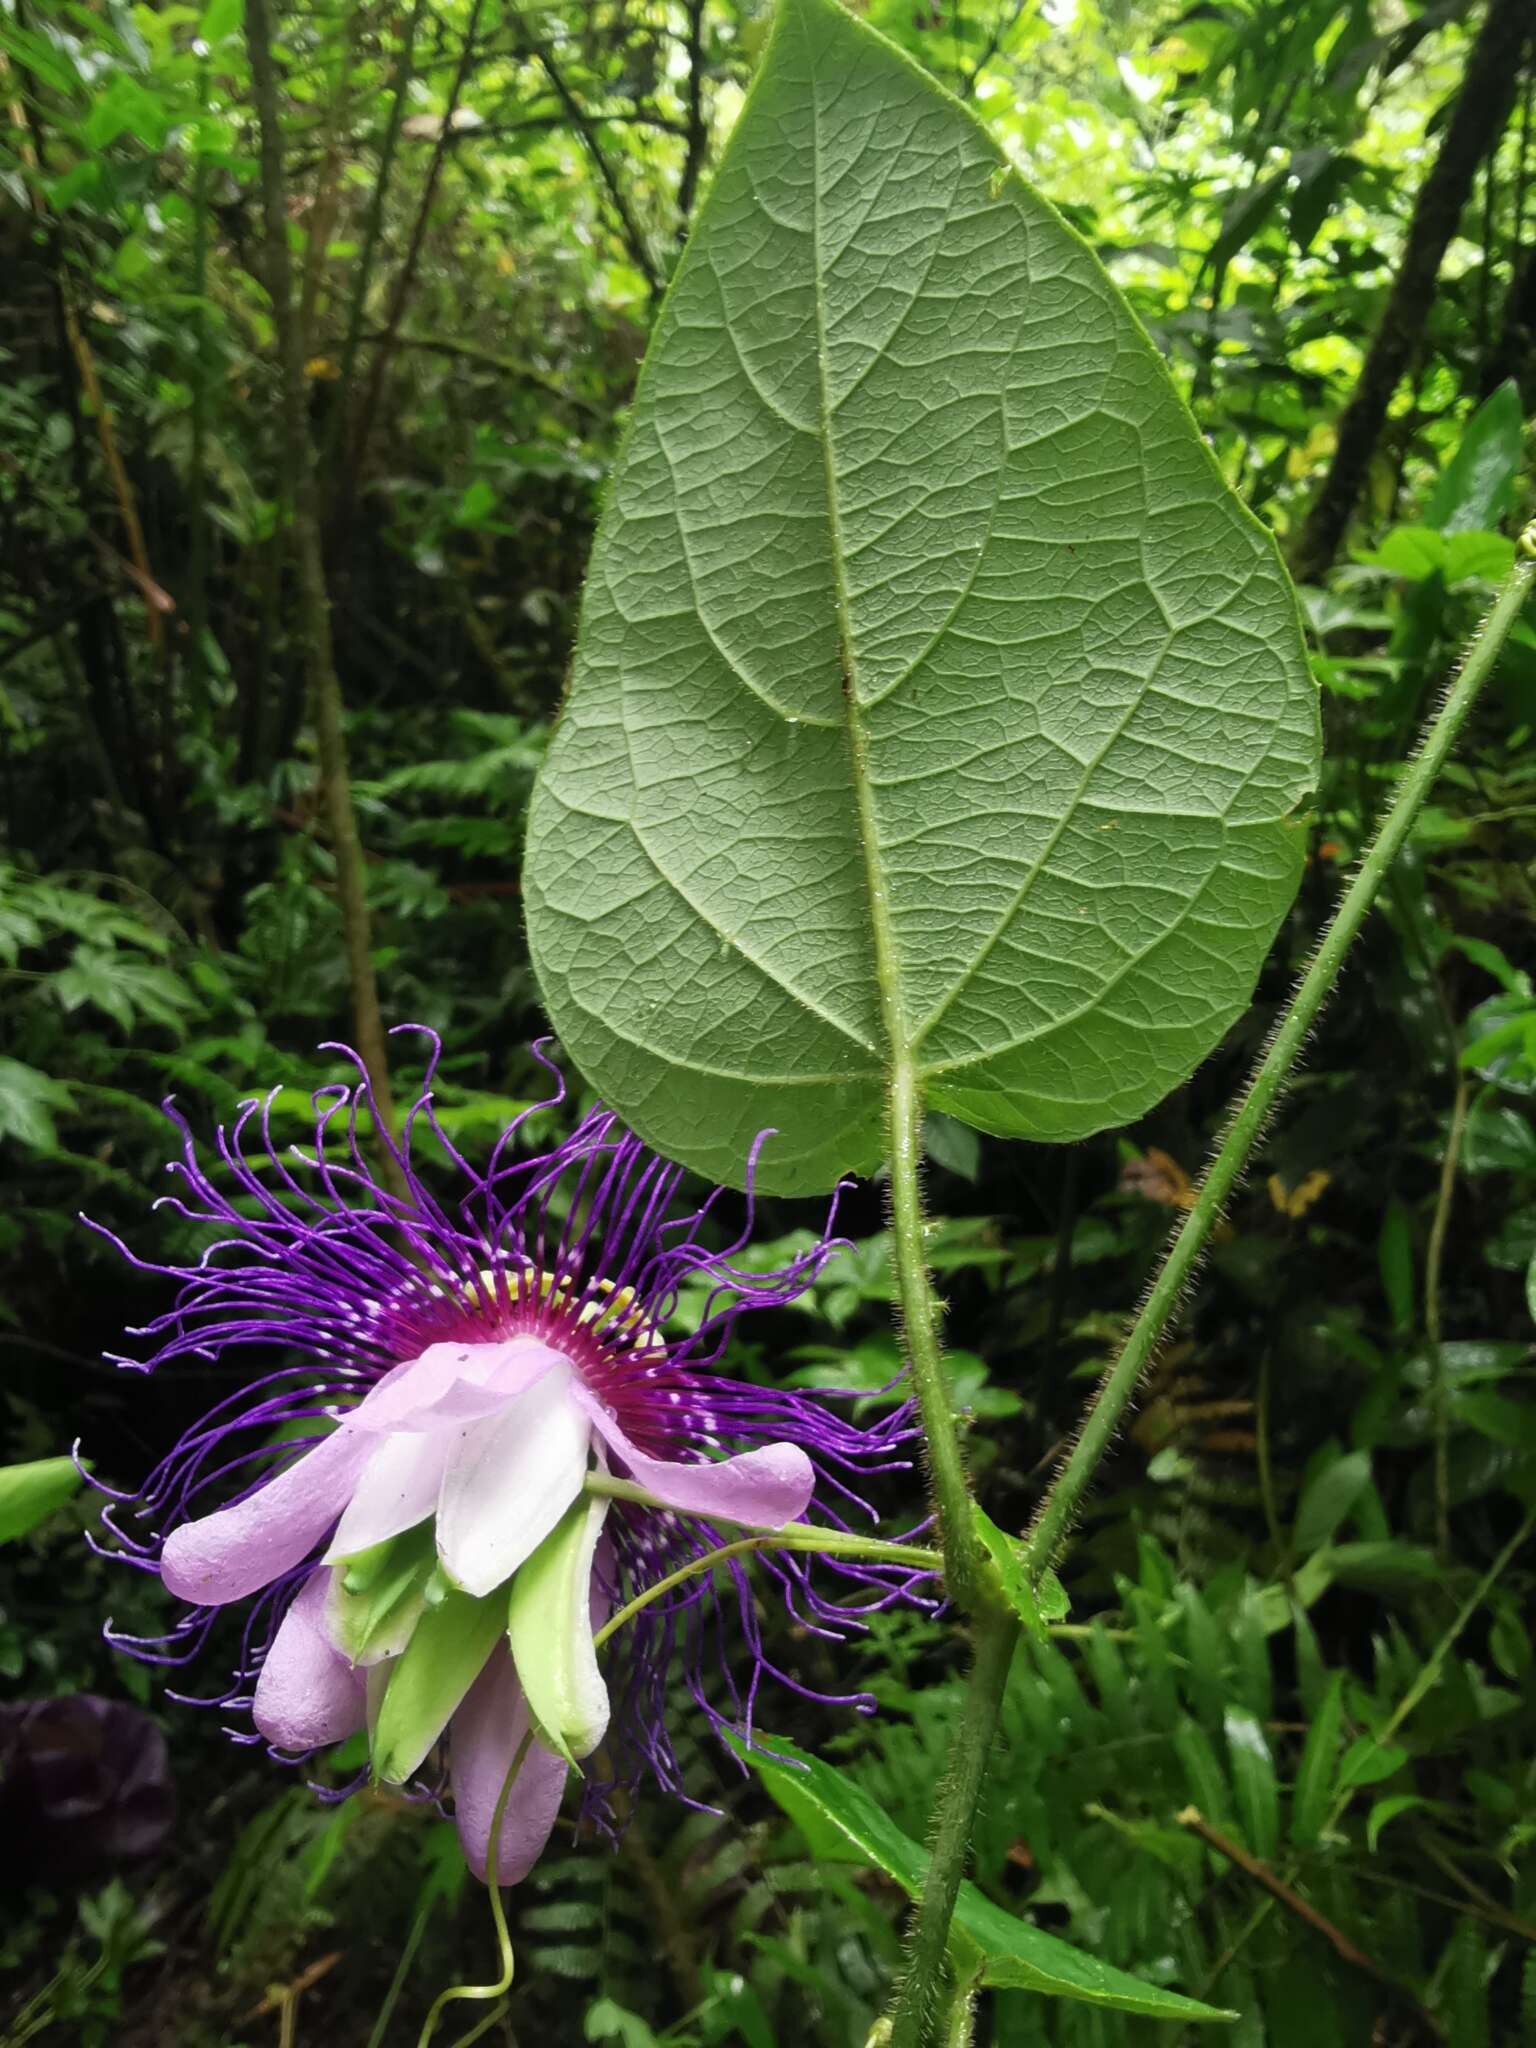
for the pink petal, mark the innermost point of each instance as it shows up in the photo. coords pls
(766, 1488)
(487, 1730)
(508, 1485)
(229, 1554)
(225, 1556)
(451, 1382)
(307, 1694)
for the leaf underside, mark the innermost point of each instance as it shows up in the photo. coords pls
(935, 701)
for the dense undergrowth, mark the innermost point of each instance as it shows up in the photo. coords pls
(1301, 1601)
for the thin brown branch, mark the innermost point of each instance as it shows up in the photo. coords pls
(697, 126)
(631, 231)
(1007, 20)
(298, 488)
(1481, 110)
(1303, 1910)
(406, 277)
(660, 124)
(29, 149)
(373, 227)
(504, 366)
(322, 214)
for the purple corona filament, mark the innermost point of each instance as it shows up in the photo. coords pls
(449, 1371)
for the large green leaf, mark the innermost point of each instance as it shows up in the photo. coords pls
(842, 1824)
(935, 702)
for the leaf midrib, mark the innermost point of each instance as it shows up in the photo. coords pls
(887, 963)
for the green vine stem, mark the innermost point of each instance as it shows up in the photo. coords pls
(503, 1984)
(921, 1320)
(917, 1998)
(916, 2004)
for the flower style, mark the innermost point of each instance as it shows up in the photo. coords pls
(421, 1511)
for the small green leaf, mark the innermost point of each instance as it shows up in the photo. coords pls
(1509, 1641)
(549, 1627)
(127, 108)
(1313, 1789)
(841, 1823)
(28, 1098)
(1034, 1604)
(1380, 1565)
(1367, 1762)
(1472, 492)
(79, 180)
(1497, 1794)
(1204, 1681)
(1499, 1139)
(607, 2021)
(444, 1657)
(1203, 1774)
(1253, 1782)
(30, 1493)
(1465, 1971)
(952, 1145)
(221, 18)
(1387, 1810)
(1419, 552)
(1497, 1417)
(1329, 1498)
(476, 505)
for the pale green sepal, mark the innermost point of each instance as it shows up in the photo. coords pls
(30, 1493)
(376, 1597)
(549, 1626)
(444, 1657)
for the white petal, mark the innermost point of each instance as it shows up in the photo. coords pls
(509, 1482)
(398, 1489)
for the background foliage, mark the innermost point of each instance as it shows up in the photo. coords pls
(1299, 1604)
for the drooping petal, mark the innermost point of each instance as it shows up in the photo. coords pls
(307, 1693)
(225, 1556)
(398, 1488)
(509, 1483)
(237, 1550)
(487, 1731)
(549, 1630)
(766, 1488)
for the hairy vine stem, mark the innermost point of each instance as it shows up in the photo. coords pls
(916, 2004)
